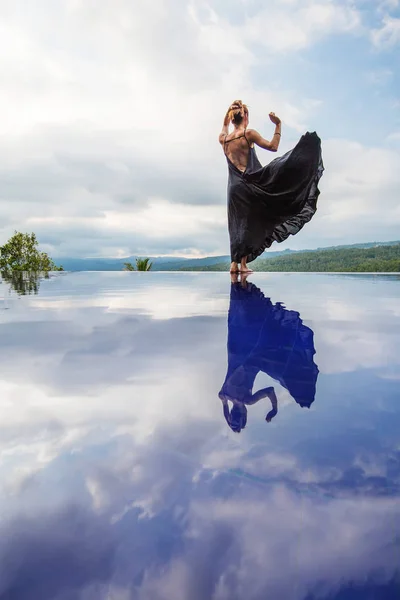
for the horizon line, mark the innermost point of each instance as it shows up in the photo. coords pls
(197, 257)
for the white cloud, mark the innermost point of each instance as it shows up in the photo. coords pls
(395, 136)
(388, 34)
(300, 26)
(109, 109)
(358, 201)
(114, 205)
(385, 5)
(379, 77)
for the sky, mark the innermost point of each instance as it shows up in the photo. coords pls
(112, 110)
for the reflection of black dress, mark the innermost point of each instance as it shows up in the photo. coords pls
(267, 337)
(267, 204)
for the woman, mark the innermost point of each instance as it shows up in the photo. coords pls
(265, 337)
(266, 204)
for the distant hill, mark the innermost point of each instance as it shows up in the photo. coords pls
(117, 264)
(208, 263)
(378, 259)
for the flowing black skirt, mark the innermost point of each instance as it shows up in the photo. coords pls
(267, 204)
(269, 338)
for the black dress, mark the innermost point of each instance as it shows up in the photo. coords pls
(266, 337)
(267, 204)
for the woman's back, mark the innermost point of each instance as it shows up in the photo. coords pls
(237, 148)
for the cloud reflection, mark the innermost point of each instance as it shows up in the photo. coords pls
(121, 481)
(146, 520)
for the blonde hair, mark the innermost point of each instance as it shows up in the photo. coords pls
(237, 112)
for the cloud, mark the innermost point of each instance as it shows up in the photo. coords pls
(117, 351)
(134, 212)
(55, 554)
(379, 77)
(394, 136)
(149, 520)
(110, 141)
(294, 25)
(349, 208)
(385, 5)
(388, 34)
(120, 477)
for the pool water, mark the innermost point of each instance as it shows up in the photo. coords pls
(178, 435)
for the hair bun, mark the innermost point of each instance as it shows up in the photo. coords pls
(237, 111)
(237, 104)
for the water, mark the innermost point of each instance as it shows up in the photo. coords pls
(121, 477)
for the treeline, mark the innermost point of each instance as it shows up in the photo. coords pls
(379, 259)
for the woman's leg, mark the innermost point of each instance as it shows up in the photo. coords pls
(243, 266)
(234, 268)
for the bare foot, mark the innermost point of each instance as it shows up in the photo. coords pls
(243, 280)
(243, 266)
(234, 268)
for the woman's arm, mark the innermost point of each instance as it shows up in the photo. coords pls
(268, 392)
(225, 406)
(273, 145)
(264, 393)
(274, 404)
(225, 128)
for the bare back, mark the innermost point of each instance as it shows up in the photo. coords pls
(236, 147)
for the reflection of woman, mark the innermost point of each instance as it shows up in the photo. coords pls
(266, 204)
(265, 337)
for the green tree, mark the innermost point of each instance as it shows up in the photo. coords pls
(143, 264)
(129, 266)
(20, 253)
(377, 259)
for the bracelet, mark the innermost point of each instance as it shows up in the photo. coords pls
(276, 133)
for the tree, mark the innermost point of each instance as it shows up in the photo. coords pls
(143, 264)
(129, 266)
(20, 253)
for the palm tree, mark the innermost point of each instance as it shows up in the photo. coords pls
(143, 264)
(129, 266)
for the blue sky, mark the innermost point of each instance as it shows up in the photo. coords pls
(109, 145)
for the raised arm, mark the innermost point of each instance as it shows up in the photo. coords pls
(268, 392)
(225, 128)
(264, 393)
(273, 145)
